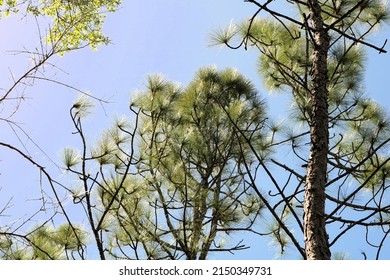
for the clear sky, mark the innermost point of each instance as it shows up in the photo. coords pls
(148, 36)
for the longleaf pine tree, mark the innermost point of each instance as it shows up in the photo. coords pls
(318, 56)
(191, 162)
(169, 183)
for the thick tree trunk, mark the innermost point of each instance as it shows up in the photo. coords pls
(316, 238)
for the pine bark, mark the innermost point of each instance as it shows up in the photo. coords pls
(315, 236)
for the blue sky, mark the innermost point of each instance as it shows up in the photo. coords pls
(148, 36)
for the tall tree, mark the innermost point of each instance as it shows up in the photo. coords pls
(192, 163)
(319, 56)
(171, 186)
(185, 192)
(316, 239)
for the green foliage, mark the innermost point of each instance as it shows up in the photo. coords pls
(340, 256)
(285, 65)
(369, 13)
(75, 24)
(71, 157)
(185, 189)
(43, 243)
(190, 187)
(69, 237)
(10, 6)
(82, 106)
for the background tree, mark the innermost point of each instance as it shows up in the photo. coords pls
(172, 186)
(191, 163)
(319, 57)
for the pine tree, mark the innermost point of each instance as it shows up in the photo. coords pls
(319, 57)
(171, 186)
(192, 162)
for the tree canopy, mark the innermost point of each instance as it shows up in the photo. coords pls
(191, 171)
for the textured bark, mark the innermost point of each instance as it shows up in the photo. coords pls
(315, 236)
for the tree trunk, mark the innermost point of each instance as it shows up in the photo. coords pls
(315, 236)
